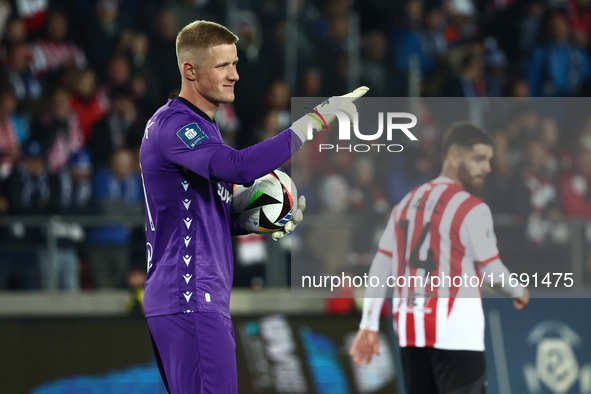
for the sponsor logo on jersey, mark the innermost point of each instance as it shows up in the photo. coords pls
(192, 135)
(224, 194)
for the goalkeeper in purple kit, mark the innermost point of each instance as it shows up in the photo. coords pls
(188, 173)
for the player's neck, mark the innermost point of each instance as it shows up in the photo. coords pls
(199, 101)
(448, 173)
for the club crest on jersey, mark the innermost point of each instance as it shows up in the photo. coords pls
(191, 135)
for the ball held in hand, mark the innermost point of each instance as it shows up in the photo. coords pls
(267, 205)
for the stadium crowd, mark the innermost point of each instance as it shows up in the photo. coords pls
(79, 80)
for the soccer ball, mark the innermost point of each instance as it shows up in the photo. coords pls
(267, 204)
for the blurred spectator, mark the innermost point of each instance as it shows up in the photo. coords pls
(121, 128)
(534, 194)
(53, 53)
(585, 135)
(5, 10)
(59, 132)
(249, 34)
(27, 188)
(270, 126)
(254, 70)
(368, 200)
(519, 89)
(163, 52)
(510, 141)
(579, 16)
(530, 25)
(72, 192)
(495, 62)
(374, 67)
(304, 174)
(228, 123)
(273, 51)
(14, 33)
(89, 106)
(558, 159)
(18, 73)
(118, 74)
(470, 82)
(426, 43)
(559, 67)
(330, 244)
(311, 85)
(330, 53)
(146, 95)
(27, 191)
(33, 13)
(251, 255)
(134, 306)
(186, 11)
(278, 98)
(101, 34)
(118, 191)
(407, 172)
(13, 132)
(575, 187)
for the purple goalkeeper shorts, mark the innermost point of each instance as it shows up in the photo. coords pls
(195, 352)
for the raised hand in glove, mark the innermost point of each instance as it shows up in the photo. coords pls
(341, 103)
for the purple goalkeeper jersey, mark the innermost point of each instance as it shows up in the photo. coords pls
(188, 174)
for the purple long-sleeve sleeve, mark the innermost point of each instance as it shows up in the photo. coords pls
(246, 165)
(236, 229)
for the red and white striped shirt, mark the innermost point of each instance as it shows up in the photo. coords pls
(441, 230)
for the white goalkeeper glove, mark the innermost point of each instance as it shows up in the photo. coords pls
(296, 218)
(342, 103)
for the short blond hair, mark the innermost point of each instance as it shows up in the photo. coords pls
(202, 35)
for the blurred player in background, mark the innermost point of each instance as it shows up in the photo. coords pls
(440, 229)
(188, 174)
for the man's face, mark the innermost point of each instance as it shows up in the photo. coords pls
(35, 165)
(122, 164)
(474, 166)
(216, 74)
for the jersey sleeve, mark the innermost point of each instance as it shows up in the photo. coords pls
(236, 229)
(479, 232)
(482, 245)
(382, 266)
(246, 165)
(200, 150)
(191, 146)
